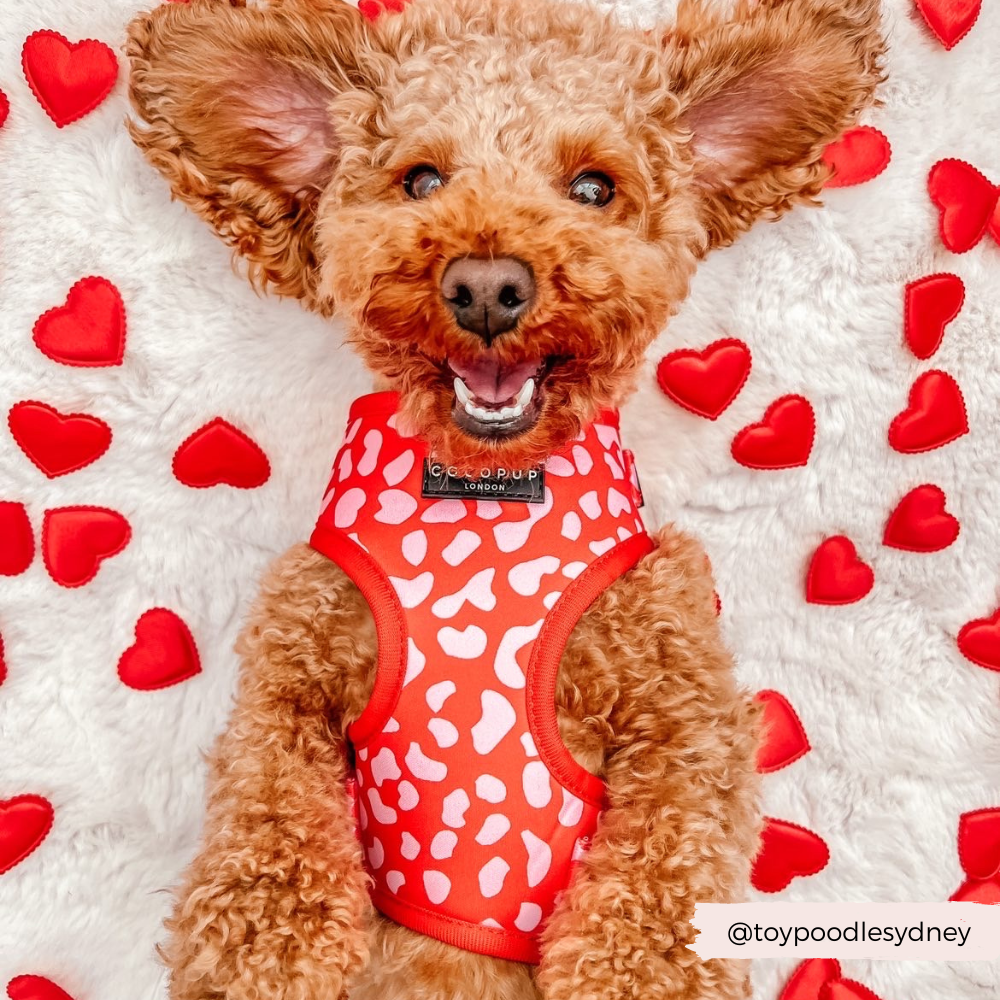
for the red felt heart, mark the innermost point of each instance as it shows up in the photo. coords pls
(163, 653)
(371, 9)
(979, 641)
(809, 978)
(950, 20)
(932, 302)
(707, 381)
(784, 738)
(4, 108)
(966, 200)
(68, 79)
(979, 843)
(89, 330)
(217, 454)
(976, 890)
(935, 415)
(859, 155)
(17, 543)
(58, 443)
(35, 988)
(75, 541)
(846, 989)
(786, 850)
(783, 439)
(25, 821)
(920, 523)
(836, 574)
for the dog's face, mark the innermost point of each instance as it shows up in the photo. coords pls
(506, 198)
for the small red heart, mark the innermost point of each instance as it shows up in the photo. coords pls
(783, 439)
(859, 155)
(783, 739)
(809, 978)
(976, 890)
(950, 20)
(932, 302)
(3, 663)
(979, 641)
(25, 821)
(219, 454)
(57, 443)
(707, 381)
(75, 541)
(846, 989)
(4, 108)
(920, 522)
(164, 653)
(786, 851)
(89, 330)
(979, 843)
(35, 988)
(18, 542)
(966, 199)
(836, 574)
(68, 79)
(935, 415)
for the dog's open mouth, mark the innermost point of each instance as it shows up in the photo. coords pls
(495, 399)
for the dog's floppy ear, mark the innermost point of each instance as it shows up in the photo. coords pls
(234, 107)
(763, 91)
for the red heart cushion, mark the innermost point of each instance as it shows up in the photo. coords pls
(934, 416)
(35, 988)
(705, 382)
(857, 156)
(75, 541)
(846, 989)
(163, 653)
(976, 890)
(217, 454)
(950, 20)
(786, 850)
(69, 80)
(25, 821)
(920, 523)
(783, 737)
(979, 843)
(932, 302)
(809, 978)
(57, 443)
(979, 641)
(836, 575)
(966, 200)
(17, 543)
(782, 440)
(89, 330)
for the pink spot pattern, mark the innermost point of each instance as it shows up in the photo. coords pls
(462, 819)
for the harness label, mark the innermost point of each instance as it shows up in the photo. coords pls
(447, 482)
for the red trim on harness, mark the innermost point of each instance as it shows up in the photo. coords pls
(543, 667)
(390, 627)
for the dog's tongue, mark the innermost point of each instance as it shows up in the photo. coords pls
(492, 382)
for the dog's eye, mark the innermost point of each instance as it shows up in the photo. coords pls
(422, 181)
(592, 189)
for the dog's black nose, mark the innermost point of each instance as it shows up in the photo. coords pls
(488, 295)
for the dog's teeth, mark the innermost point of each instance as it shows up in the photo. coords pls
(527, 391)
(462, 392)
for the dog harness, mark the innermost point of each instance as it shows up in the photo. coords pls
(470, 809)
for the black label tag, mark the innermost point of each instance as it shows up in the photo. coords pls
(443, 482)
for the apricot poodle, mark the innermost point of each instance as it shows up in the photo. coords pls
(505, 200)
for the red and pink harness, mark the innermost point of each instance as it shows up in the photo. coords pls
(471, 810)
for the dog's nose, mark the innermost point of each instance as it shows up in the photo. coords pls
(488, 295)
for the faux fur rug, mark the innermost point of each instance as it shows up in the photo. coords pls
(902, 726)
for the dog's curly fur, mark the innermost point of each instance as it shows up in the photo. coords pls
(289, 128)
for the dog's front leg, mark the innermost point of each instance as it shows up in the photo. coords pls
(682, 822)
(273, 906)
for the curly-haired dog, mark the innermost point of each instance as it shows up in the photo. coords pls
(506, 199)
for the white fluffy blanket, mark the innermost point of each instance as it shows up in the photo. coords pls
(903, 728)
